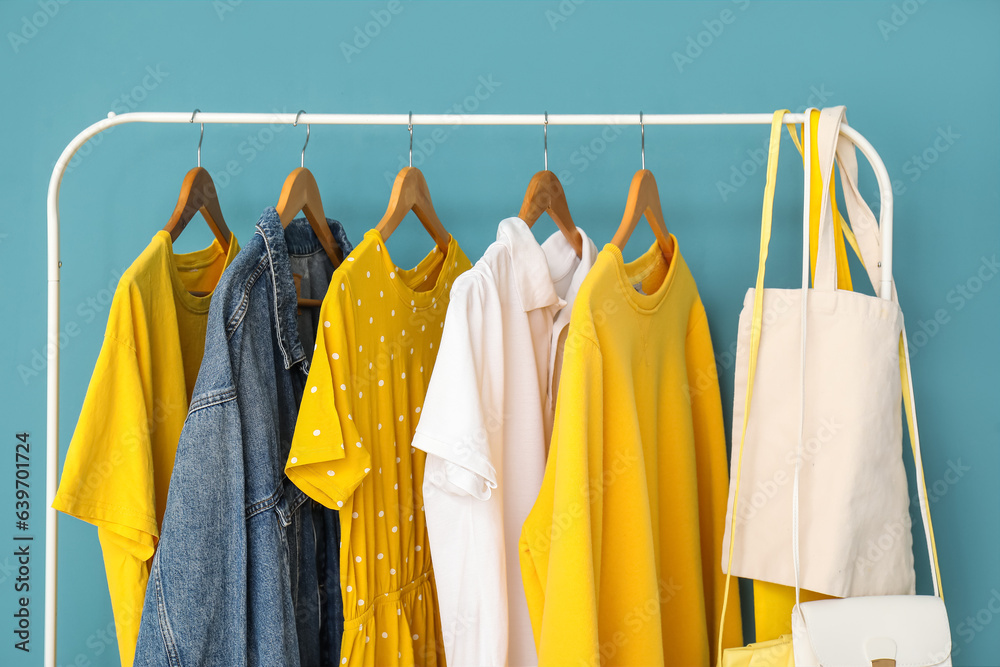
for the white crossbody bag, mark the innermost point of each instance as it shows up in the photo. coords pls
(873, 631)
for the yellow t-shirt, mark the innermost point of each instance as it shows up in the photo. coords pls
(620, 553)
(119, 461)
(351, 450)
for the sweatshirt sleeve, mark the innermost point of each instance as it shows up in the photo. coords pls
(713, 480)
(560, 540)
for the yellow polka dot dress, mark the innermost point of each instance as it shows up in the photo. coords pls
(351, 451)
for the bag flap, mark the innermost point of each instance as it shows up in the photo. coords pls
(844, 632)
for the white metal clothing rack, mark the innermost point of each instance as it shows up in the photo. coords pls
(52, 397)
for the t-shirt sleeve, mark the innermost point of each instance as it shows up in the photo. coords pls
(328, 458)
(560, 540)
(457, 420)
(713, 480)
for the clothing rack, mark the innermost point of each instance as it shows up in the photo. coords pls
(54, 265)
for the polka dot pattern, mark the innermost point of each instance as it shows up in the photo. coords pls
(369, 396)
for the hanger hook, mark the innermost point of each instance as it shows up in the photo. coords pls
(202, 137)
(545, 132)
(642, 134)
(302, 162)
(409, 126)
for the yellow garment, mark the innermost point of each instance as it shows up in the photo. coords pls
(620, 554)
(772, 608)
(772, 653)
(351, 450)
(122, 453)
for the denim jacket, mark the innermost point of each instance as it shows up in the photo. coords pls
(246, 572)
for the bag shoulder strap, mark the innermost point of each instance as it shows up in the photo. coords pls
(755, 328)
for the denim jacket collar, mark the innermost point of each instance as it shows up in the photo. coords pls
(297, 238)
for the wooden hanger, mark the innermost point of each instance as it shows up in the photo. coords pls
(545, 195)
(410, 193)
(198, 193)
(301, 194)
(644, 200)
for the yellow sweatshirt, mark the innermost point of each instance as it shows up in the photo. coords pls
(620, 552)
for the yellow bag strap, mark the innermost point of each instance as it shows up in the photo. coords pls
(841, 230)
(918, 464)
(755, 328)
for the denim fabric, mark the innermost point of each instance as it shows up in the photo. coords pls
(246, 572)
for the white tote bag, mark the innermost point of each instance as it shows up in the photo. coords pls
(854, 505)
(881, 631)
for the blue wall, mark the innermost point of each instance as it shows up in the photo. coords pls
(920, 80)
